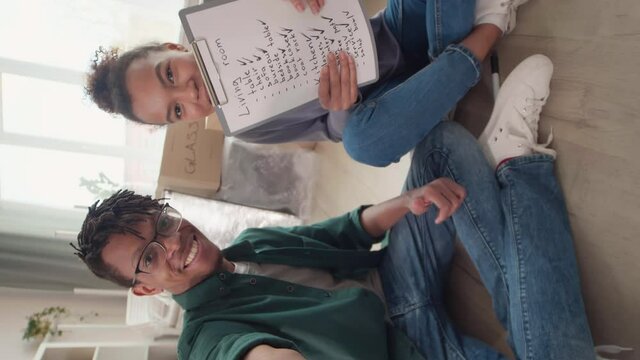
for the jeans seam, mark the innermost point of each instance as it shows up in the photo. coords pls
(472, 59)
(438, 28)
(448, 342)
(411, 306)
(450, 170)
(382, 97)
(515, 221)
(400, 19)
(502, 171)
(492, 252)
(456, 48)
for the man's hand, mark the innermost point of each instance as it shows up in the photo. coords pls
(338, 88)
(300, 5)
(443, 192)
(446, 194)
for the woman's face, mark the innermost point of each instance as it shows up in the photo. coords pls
(166, 86)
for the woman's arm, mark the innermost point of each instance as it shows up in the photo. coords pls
(444, 193)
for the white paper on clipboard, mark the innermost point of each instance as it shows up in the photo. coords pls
(209, 70)
(263, 58)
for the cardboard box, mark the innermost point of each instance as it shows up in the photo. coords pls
(192, 159)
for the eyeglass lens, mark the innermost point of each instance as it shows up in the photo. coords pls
(152, 257)
(168, 222)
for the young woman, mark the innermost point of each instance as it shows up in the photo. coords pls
(428, 56)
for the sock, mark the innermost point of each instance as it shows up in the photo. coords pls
(492, 12)
(502, 162)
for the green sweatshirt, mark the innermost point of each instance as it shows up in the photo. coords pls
(228, 314)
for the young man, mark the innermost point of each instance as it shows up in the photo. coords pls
(318, 292)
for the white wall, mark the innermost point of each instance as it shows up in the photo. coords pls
(17, 304)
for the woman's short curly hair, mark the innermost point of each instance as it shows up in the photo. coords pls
(118, 214)
(106, 83)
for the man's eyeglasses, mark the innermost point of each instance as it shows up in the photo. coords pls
(154, 254)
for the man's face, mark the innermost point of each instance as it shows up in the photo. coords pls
(190, 258)
(166, 86)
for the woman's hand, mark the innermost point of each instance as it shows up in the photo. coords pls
(300, 5)
(338, 88)
(446, 194)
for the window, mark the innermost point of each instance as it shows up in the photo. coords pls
(63, 33)
(56, 110)
(57, 150)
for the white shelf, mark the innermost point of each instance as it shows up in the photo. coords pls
(121, 353)
(110, 342)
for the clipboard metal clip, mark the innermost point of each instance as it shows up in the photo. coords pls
(209, 72)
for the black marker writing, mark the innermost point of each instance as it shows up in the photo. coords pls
(222, 52)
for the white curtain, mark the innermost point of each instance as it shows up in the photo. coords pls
(58, 152)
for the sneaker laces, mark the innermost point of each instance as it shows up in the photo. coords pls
(530, 115)
(511, 14)
(507, 3)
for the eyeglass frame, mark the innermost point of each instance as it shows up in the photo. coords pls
(154, 240)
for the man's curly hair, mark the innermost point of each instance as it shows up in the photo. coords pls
(118, 214)
(106, 82)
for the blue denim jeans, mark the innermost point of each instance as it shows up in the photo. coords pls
(514, 225)
(393, 117)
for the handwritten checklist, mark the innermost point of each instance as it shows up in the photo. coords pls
(268, 56)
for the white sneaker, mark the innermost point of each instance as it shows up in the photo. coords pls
(501, 13)
(513, 127)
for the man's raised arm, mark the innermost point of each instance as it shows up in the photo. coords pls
(444, 193)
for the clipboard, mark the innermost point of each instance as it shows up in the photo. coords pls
(261, 58)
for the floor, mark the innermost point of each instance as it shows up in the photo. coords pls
(594, 111)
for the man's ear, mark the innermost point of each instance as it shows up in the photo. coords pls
(141, 290)
(174, 46)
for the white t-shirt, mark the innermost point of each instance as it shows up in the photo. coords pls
(316, 278)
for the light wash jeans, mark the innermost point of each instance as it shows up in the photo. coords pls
(393, 118)
(514, 225)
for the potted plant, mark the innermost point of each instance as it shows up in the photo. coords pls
(45, 322)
